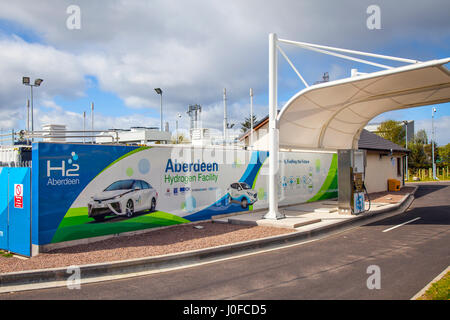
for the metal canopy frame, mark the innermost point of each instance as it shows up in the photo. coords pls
(358, 97)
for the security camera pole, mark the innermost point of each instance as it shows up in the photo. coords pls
(406, 147)
(432, 142)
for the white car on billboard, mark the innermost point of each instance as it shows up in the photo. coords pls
(242, 193)
(123, 198)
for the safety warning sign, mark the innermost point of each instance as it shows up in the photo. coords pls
(18, 196)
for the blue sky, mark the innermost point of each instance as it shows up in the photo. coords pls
(192, 50)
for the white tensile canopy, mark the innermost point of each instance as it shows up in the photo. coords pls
(332, 115)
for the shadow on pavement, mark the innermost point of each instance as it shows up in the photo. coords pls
(425, 189)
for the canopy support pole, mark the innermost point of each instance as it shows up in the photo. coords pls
(273, 130)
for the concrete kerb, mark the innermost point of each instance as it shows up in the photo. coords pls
(439, 277)
(57, 277)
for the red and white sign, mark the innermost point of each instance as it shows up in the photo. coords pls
(18, 196)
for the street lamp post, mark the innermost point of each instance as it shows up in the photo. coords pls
(37, 83)
(432, 142)
(160, 92)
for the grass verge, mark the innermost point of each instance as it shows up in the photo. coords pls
(77, 225)
(5, 254)
(439, 290)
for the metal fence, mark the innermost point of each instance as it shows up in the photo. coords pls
(442, 173)
(16, 164)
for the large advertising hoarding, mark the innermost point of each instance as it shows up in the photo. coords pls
(94, 190)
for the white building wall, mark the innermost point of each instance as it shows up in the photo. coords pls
(380, 169)
(260, 138)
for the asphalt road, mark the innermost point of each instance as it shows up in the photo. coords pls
(408, 258)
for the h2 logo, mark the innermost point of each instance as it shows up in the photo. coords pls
(65, 172)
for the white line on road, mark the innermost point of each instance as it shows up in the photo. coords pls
(401, 224)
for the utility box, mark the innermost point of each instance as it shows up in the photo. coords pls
(351, 171)
(393, 185)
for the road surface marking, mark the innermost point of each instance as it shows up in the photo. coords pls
(401, 224)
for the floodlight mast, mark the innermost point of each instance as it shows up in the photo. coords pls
(37, 83)
(160, 92)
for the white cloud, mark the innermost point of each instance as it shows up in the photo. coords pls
(191, 49)
(441, 128)
(52, 113)
(60, 71)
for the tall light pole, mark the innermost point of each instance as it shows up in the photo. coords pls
(251, 117)
(84, 125)
(178, 117)
(37, 83)
(28, 115)
(432, 142)
(160, 92)
(225, 120)
(406, 147)
(92, 120)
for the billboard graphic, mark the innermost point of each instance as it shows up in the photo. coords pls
(94, 190)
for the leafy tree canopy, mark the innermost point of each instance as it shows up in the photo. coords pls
(444, 153)
(421, 137)
(246, 125)
(393, 131)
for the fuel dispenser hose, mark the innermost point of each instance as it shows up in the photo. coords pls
(367, 194)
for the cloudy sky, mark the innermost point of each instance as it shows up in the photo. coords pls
(192, 50)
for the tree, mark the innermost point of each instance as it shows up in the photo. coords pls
(181, 139)
(428, 151)
(230, 125)
(421, 154)
(392, 130)
(444, 153)
(246, 125)
(421, 137)
(417, 158)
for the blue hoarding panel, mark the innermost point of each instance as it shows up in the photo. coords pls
(35, 193)
(15, 215)
(76, 191)
(63, 171)
(19, 211)
(4, 208)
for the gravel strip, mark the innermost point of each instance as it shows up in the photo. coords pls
(169, 240)
(174, 239)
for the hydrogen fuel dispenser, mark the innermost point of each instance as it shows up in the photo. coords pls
(351, 171)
